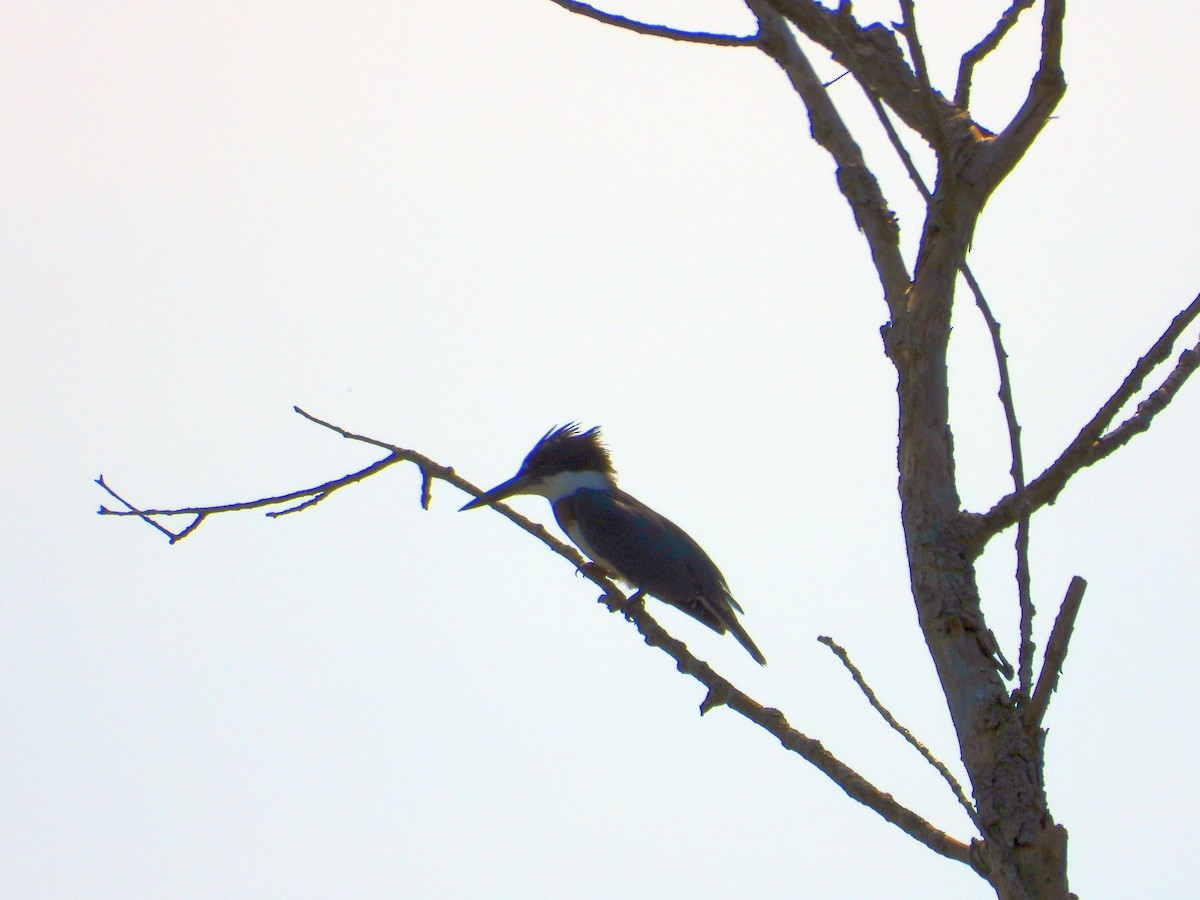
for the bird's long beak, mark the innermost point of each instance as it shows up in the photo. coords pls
(515, 485)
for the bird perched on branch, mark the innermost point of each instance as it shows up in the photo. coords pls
(630, 541)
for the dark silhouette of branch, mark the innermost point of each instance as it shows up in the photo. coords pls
(307, 497)
(874, 55)
(856, 182)
(1056, 653)
(999, 155)
(898, 145)
(1025, 649)
(675, 34)
(720, 691)
(883, 711)
(934, 131)
(1092, 444)
(132, 510)
(972, 58)
(1024, 593)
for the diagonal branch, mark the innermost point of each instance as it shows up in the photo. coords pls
(665, 31)
(856, 182)
(1092, 444)
(883, 711)
(720, 691)
(972, 58)
(1056, 653)
(1000, 155)
(1140, 421)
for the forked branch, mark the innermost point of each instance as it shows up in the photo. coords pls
(972, 58)
(293, 501)
(1093, 444)
(873, 54)
(1000, 155)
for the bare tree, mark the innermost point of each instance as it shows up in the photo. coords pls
(997, 711)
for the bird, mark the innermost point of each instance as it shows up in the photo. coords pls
(628, 540)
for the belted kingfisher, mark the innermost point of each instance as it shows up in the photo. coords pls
(630, 541)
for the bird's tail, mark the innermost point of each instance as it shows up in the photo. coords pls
(744, 639)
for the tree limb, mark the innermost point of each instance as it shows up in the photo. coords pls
(1024, 593)
(999, 155)
(675, 34)
(891, 720)
(856, 182)
(1092, 444)
(935, 131)
(970, 59)
(1056, 653)
(720, 691)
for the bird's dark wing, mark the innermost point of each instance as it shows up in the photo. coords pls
(657, 556)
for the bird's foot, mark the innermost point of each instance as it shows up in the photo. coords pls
(632, 602)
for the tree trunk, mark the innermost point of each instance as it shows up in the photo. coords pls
(1024, 853)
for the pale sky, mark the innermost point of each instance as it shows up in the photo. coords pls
(450, 227)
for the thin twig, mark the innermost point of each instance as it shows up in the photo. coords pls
(883, 711)
(299, 507)
(1056, 653)
(132, 510)
(1024, 587)
(665, 31)
(970, 59)
(310, 496)
(350, 435)
(898, 145)
(303, 498)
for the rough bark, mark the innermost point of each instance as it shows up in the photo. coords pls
(1023, 851)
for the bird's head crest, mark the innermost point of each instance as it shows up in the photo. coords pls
(568, 449)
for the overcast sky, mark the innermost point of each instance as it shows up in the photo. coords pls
(450, 227)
